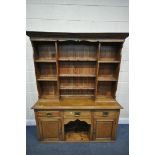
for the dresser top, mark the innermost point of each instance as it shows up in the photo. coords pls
(77, 104)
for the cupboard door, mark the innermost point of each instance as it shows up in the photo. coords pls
(103, 129)
(50, 129)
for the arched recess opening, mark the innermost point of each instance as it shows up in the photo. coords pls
(77, 131)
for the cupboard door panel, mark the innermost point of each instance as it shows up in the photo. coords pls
(50, 129)
(103, 129)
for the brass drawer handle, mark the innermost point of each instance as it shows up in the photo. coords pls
(76, 113)
(105, 114)
(49, 114)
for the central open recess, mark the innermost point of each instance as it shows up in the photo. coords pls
(77, 131)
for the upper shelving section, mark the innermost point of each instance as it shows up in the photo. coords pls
(77, 65)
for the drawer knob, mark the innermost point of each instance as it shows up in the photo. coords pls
(49, 114)
(105, 114)
(76, 113)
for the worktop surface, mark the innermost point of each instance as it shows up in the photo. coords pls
(76, 103)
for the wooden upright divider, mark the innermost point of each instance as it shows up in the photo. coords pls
(76, 76)
(57, 68)
(97, 68)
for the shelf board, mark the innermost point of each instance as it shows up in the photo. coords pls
(45, 60)
(77, 95)
(102, 98)
(77, 136)
(77, 59)
(48, 96)
(108, 60)
(107, 78)
(76, 87)
(44, 78)
(77, 75)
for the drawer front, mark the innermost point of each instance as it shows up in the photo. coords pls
(48, 113)
(67, 120)
(84, 114)
(105, 114)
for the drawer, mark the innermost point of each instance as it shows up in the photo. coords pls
(85, 114)
(48, 113)
(67, 120)
(105, 114)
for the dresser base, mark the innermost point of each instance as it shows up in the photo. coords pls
(80, 123)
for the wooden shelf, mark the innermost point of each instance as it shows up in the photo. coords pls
(49, 97)
(77, 75)
(102, 99)
(107, 78)
(77, 95)
(77, 136)
(76, 87)
(77, 59)
(48, 78)
(45, 60)
(108, 60)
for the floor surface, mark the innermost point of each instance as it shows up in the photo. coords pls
(119, 147)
